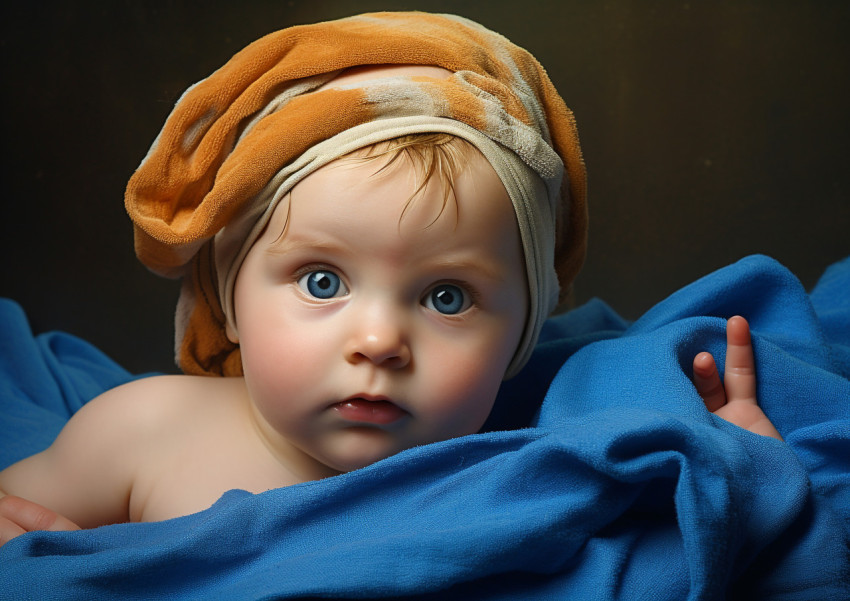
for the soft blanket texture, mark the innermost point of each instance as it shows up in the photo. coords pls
(622, 486)
(239, 140)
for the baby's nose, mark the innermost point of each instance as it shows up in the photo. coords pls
(380, 340)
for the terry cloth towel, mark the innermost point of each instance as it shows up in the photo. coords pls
(237, 141)
(623, 486)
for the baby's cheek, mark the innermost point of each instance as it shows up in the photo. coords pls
(276, 365)
(474, 373)
(463, 397)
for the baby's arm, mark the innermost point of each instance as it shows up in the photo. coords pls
(84, 478)
(733, 399)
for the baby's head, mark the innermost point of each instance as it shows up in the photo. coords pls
(241, 149)
(383, 302)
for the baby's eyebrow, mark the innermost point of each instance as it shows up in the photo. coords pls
(491, 270)
(287, 244)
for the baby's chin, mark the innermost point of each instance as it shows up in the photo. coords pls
(356, 447)
(366, 451)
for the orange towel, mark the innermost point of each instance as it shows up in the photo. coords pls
(258, 124)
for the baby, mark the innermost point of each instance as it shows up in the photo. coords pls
(361, 285)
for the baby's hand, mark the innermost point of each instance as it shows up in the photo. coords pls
(18, 516)
(734, 399)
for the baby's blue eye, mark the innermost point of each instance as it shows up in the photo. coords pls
(322, 284)
(447, 299)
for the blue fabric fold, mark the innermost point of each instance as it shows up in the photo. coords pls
(600, 475)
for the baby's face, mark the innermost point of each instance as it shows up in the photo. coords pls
(365, 331)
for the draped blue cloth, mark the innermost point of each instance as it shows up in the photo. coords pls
(599, 476)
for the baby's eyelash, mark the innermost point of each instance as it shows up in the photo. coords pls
(305, 269)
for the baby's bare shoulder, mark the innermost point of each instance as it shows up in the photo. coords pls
(158, 401)
(92, 469)
(129, 416)
(165, 390)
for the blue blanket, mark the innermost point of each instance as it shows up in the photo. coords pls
(618, 485)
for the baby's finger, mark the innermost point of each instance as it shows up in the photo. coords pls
(707, 382)
(9, 530)
(740, 375)
(31, 516)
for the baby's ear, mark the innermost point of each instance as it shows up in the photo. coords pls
(232, 334)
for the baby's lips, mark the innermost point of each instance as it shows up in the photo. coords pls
(370, 410)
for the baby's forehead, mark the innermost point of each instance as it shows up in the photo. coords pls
(417, 197)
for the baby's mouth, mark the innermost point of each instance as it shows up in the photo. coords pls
(369, 410)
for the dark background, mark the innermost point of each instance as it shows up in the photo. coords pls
(711, 130)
